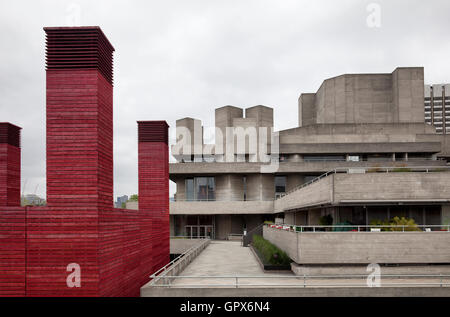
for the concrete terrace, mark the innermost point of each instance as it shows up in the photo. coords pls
(224, 258)
(230, 259)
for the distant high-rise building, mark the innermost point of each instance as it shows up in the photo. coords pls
(437, 107)
(121, 200)
(32, 199)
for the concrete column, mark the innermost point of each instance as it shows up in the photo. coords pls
(260, 187)
(229, 187)
(222, 226)
(289, 218)
(181, 188)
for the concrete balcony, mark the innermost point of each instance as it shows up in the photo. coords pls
(191, 169)
(338, 248)
(220, 207)
(370, 188)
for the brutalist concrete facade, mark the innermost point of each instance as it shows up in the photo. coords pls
(367, 124)
(437, 107)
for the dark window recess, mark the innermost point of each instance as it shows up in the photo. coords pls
(324, 158)
(244, 181)
(280, 184)
(200, 189)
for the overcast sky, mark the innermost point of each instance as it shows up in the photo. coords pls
(184, 58)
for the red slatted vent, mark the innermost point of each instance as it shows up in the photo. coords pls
(79, 47)
(153, 131)
(9, 134)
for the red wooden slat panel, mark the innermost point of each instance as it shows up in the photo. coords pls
(154, 191)
(9, 165)
(116, 249)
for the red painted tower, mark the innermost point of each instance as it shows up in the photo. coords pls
(9, 164)
(79, 236)
(79, 117)
(154, 190)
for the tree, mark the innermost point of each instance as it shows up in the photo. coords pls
(134, 197)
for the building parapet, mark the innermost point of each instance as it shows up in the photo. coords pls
(371, 185)
(289, 166)
(220, 207)
(362, 247)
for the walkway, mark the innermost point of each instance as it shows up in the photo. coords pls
(224, 258)
(202, 278)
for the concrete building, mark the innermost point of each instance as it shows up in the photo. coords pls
(32, 199)
(437, 107)
(367, 131)
(121, 200)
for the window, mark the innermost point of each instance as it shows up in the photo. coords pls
(244, 181)
(353, 158)
(189, 189)
(200, 189)
(280, 185)
(324, 158)
(211, 188)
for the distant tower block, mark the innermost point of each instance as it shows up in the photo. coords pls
(79, 117)
(153, 164)
(9, 164)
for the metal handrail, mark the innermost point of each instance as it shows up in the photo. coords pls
(248, 238)
(168, 265)
(293, 228)
(304, 278)
(190, 237)
(221, 200)
(375, 160)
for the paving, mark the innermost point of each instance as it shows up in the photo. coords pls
(227, 263)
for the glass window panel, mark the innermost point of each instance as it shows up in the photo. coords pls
(201, 188)
(190, 189)
(280, 184)
(211, 188)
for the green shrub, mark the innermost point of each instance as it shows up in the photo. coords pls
(270, 253)
(410, 224)
(326, 220)
(401, 170)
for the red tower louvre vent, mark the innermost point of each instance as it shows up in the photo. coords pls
(153, 131)
(9, 134)
(81, 47)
